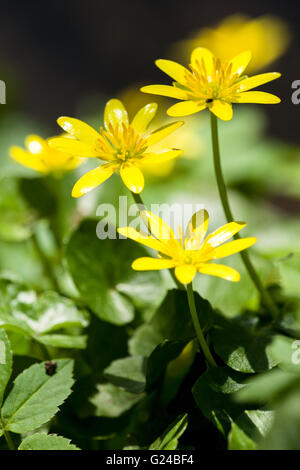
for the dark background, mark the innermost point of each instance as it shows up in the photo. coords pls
(54, 52)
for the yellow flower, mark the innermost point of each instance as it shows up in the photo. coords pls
(237, 33)
(125, 147)
(40, 157)
(192, 252)
(211, 84)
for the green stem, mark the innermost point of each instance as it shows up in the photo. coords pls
(138, 200)
(46, 263)
(266, 298)
(199, 332)
(9, 441)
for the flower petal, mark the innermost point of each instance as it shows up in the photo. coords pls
(73, 147)
(202, 54)
(132, 177)
(196, 229)
(222, 110)
(35, 144)
(115, 113)
(157, 227)
(240, 62)
(259, 97)
(165, 90)
(92, 179)
(185, 108)
(219, 270)
(173, 69)
(162, 132)
(186, 273)
(160, 157)
(27, 159)
(142, 238)
(150, 264)
(222, 234)
(233, 247)
(143, 117)
(78, 129)
(257, 80)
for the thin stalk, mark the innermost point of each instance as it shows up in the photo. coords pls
(7, 436)
(46, 263)
(266, 298)
(198, 330)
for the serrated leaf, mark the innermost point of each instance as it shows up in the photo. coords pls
(101, 270)
(35, 396)
(41, 441)
(111, 401)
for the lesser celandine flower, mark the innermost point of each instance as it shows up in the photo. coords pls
(267, 37)
(42, 158)
(193, 252)
(122, 145)
(211, 83)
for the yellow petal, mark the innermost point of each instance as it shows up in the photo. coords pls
(157, 226)
(222, 110)
(185, 108)
(27, 159)
(142, 238)
(196, 229)
(259, 97)
(150, 264)
(233, 247)
(173, 69)
(115, 113)
(92, 179)
(186, 273)
(160, 157)
(219, 270)
(240, 62)
(78, 129)
(132, 177)
(222, 234)
(35, 144)
(73, 147)
(143, 117)
(165, 90)
(202, 54)
(162, 132)
(257, 80)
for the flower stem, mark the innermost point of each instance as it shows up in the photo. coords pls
(138, 200)
(46, 263)
(198, 330)
(266, 298)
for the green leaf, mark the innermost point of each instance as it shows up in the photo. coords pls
(127, 373)
(35, 396)
(169, 439)
(101, 270)
(245, 349)
(5, 363)
(41, 441)
(41, 316)
(238, 440)
(111, 401)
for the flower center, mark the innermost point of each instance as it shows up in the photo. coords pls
(210, 85)
(121, 142)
